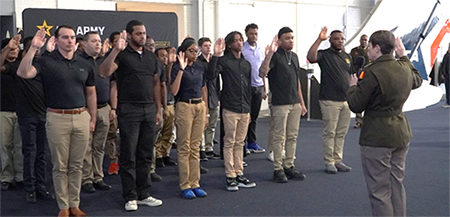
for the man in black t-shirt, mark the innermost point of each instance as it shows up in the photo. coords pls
(138, 90)
(31, 111)
(336, 66)
(282, 68)
(68, 83)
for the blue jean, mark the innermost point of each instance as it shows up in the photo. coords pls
(137, 126)
(34, 150)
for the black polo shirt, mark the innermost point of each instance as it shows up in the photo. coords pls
(135, 76)
(102, 85)
(284, 77)
(30, 94)
(64, 80)
(8, 88)
(192, 81)
(336, 67)
(236, 81)
(213, 86)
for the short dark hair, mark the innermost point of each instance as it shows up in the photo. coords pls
(27, 43)
(385, 39)
(63, 26)
(229, 39)
(79, 39)
(203, 40)
(86, 36)
(132, 24)
(159, 49)
(284, 30)
(363, 36)
(250, 26)
(113, 34)
(336, 31)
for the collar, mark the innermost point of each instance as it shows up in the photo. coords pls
(61, 57)
(129, 49)
(384, 57)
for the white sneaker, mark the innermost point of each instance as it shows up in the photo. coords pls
(150, 201)
(270, 156)
(131, 205)
(446, 106)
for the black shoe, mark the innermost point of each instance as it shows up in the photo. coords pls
(215, 142)
(203, 170)
(101, 185)
(293, 173)
(5, 186)
(203, 156)
(212, 155)
(174, 145)
(160, 162)
(169, 162)
(232, 184)
(279, 176)
(88, 188)
(18, 184)
(43, 193)
(155, 177)
(31, 197)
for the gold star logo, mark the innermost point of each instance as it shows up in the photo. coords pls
(47, 28)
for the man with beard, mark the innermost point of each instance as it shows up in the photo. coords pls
(336, 66)
(138, 90)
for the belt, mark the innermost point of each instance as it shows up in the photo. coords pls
(102, 105)
(191, 101)
(67, 111)
(170, 102)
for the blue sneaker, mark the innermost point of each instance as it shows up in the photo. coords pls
(188, 194)
(199, 192)
(255, 148)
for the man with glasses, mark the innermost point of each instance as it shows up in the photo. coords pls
(336, 66)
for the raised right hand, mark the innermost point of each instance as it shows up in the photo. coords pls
(274, 45)
(39, 39)
(50, 44)
(172, 55)
(182, 59)
(323, 34)
(219, 47)
(14, 42)
(122, 42)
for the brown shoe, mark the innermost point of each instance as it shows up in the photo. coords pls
(64, 213)
(75, 211)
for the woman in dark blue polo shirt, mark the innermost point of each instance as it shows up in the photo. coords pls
(188, 87)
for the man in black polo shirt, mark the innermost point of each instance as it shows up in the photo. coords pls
(336, 66)
(138, 90)
(68, 83)
(93, 160)
(31, 111)
(282, 68)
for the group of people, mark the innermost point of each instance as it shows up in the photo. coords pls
(70, 99)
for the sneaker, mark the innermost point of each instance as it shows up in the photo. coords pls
(159, 162)
(244, 182)
(232, 184)
(150, 201)
(203, 170)
(212, 155)
(199, 192)
(357, 125)
(131, 205)
(188, 194)
(31, 197)
(203, 156)
(341, 167)
(330, 168)
(246, 151)
(244, 164)
(293, 173)
(43, 193)
(100, 185)
(155, 177)
(168, 161)
(446, 106)
(270, 156)
(88, 188)
(5, 186)
(279, 176)
(255, 148)
(113, 169)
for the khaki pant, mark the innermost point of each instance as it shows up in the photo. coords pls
(235, 128)
(163, 144)
(284, 124)
(210, 131)
(11, 150)
(190, 122)
(336, 119)
(68, 139)
(95, 152)
(111, 142)
(384, 170)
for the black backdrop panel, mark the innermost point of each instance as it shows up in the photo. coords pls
(315, 88)
(162, 27)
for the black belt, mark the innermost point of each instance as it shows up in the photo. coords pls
(191, 101)
(101, 105)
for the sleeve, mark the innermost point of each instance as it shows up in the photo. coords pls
(214, 68)
(320, 55)
(90, 81)
(417, 78)
(39, 64)
(162, 77)
(11, 68)
(358, 96)
(273, 61)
